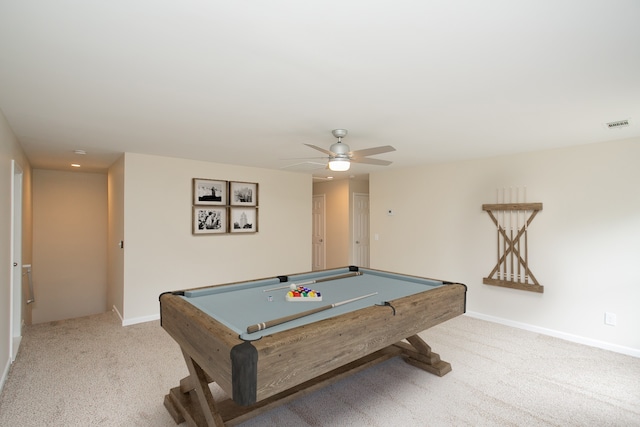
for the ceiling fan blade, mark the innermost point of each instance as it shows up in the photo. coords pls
(369, 161)
(372, 151)
(315, 147)
(304, 158)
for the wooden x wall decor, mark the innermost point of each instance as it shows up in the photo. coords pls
(512, 221)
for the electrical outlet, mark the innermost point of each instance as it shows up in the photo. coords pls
(610, 319)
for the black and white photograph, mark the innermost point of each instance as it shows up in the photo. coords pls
(208, 220)
(209, 192)
(243, 193)
(244, 220)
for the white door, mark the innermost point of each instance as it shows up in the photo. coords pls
(360, 242)
(16, 260)
(318, 233)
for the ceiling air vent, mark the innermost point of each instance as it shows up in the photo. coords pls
(618, 124)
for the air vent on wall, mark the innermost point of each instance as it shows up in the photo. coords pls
(618, 124)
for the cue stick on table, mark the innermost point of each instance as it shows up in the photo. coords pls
(275, 322)
(311, 282)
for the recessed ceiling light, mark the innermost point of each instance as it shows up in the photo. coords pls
(81, 152)
(75, 165)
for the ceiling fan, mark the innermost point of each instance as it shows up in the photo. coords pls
(341, 156)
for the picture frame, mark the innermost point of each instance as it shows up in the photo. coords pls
(210, 220)
(210, 192)
(243, 193)
(243, 220)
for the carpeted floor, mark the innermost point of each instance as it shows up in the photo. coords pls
(93, 372)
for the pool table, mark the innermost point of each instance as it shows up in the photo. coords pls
(263, 350)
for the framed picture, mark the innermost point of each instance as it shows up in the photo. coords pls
(243, 193)
(209, 220)
(209, 192)
(243, 220)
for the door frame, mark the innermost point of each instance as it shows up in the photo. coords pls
(15, 292)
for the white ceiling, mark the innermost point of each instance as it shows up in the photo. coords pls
(250, 82)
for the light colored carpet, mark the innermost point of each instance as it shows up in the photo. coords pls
(93, 372)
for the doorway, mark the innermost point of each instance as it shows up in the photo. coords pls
(318, 250)
(361, 242)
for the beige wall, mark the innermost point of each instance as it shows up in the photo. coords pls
(583, 245)
(69, 244)
(161, 254)
(115, 254)
(27, 235)
(11, 150)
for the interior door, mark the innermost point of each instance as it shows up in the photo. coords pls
(360, 242)
(318, 233)
(16, 260)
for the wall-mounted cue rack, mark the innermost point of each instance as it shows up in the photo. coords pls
(512, 221)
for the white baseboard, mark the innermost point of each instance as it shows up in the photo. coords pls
(5, 373)
(135, 320)
(115, 309)
(558, 334)
(141, 319)
(544, 331)
(15, 347)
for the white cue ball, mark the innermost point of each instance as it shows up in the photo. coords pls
(293, 286)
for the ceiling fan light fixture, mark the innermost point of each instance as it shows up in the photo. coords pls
(341, 156)
(339, 165)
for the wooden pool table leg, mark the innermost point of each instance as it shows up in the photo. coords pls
(419, 354)
(199, 409)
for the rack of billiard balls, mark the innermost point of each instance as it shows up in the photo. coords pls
(303, 294)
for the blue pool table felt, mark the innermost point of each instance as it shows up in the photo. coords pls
(240, 305)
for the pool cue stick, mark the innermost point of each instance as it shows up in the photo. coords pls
(275, 322)
(511, 227)
(503, 263)
(311, 282)
(499, 259)
(498, 231)
(526, 248)
(518, 233)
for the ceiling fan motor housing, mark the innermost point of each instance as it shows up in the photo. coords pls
(340, 149)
